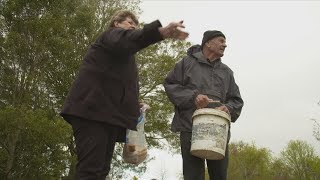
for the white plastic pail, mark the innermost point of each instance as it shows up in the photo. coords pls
(209, 133)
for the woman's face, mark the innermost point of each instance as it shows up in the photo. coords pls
(128, 23)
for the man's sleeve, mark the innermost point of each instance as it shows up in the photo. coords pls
(234, 101)
(180, 94)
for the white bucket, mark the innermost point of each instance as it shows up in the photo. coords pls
(209, 133)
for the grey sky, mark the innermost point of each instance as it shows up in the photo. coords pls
(273, 49)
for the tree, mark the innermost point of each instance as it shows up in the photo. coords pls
(300, 159)
(42, 45)
(25, 56)
(316, 128)
(36, 148)
(248, 162)
(154, 64)
(278, 170)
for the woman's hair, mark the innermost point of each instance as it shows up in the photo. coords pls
(122, 15)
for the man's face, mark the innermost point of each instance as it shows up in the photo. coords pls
(128, 23)
(217, 45)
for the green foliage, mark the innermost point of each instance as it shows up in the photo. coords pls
(301, 161)
(42, 45)
(248, 161)
(296, 162)
(154, 64)
(278, 169)
(32, 145)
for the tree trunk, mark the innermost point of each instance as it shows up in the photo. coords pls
(12, 144)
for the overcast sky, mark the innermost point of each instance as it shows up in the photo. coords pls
(273, 49)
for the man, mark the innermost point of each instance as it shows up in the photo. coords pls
(103, 100)
(197, 80)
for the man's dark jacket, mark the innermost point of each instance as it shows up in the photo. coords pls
(106, 87)
(194, 75)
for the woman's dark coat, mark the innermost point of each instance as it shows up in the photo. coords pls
(106, 88)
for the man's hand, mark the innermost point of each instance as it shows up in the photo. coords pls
(202, 101)
(173, 31)
(223, 108)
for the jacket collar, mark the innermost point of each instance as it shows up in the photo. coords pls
(200, 57)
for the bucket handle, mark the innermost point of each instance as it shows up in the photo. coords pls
(214, 103)
(211, 101)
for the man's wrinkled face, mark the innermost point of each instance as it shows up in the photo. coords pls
(217, 45)
(126, 24)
